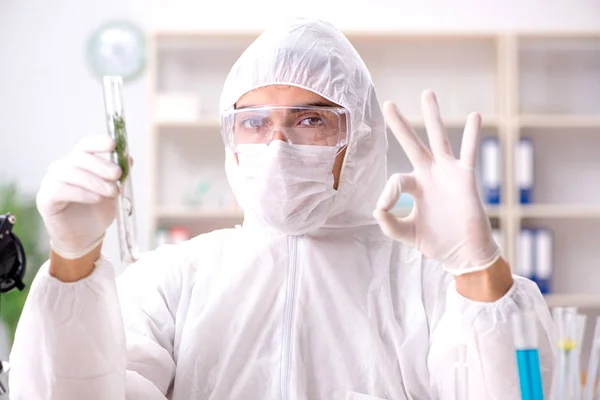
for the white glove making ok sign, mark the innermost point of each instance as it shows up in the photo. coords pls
(448, 221)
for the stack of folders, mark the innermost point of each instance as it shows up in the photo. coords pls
(491, 170)
(535, 257)
(524, 170)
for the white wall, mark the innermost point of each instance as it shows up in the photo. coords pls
(48, 99)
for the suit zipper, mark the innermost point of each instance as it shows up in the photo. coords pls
(288, 320)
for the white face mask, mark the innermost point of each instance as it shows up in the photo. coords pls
(287, 187)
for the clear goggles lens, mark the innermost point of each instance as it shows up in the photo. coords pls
(309, 126)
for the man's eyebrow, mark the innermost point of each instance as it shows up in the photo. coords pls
(317, 104)
(294, 110)
(311, 104)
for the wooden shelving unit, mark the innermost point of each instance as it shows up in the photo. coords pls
(175, 213)
(211, 122)
(543, 86)
(584, 301)
(559, 121)
(558, 211)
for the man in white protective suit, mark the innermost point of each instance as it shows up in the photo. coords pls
(322, 294)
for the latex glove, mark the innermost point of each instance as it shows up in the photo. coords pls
(448, 221)
(77, 197)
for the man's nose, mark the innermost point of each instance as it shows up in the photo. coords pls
(278, 135)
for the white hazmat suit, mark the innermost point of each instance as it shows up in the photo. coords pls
(341, 312)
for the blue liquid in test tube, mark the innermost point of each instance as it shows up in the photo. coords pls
(530, 378)
(527, 357)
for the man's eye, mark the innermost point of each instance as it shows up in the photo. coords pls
(252, 123)
(312, 121)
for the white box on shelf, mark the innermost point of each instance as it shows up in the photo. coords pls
(177, 107)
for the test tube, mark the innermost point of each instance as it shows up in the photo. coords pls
(592, 371)
(580, 331)
(115, 122)
(566, 383)
(528, 360)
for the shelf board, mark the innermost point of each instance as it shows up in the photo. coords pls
(191, 213)
(558, 211)
(368, 32)
(491, 211)
(561, 34)
(204, 122)
(401, 212)
(351, 34)
(573, 300)
(196, 213)
(456, 121)
(416, 122)
(559, 121)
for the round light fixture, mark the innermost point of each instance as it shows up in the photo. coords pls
(117, 48)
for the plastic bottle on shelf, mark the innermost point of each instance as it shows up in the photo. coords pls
(162, 237)
(197, 196)
(178, 234)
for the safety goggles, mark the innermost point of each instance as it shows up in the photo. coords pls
(308, 126)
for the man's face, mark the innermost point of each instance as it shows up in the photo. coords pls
(279, 95)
